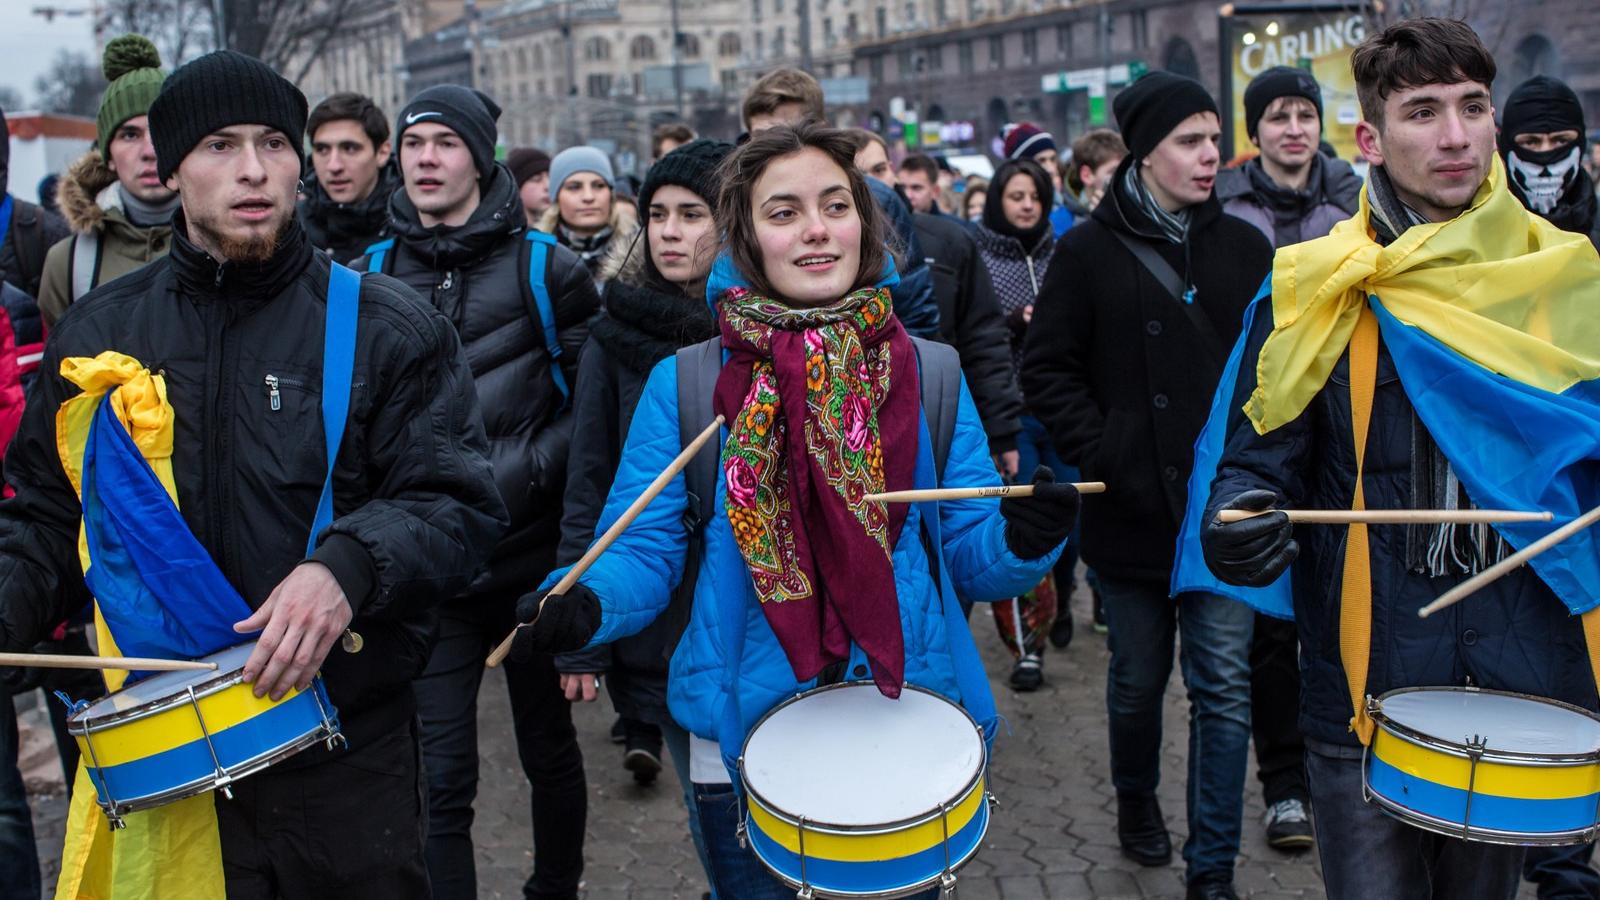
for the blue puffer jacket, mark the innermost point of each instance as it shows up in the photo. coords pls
(1514, 635)
(635, 577)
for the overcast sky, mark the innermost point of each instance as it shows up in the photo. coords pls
(28, 43)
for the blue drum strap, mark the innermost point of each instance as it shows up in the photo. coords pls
(338, 366)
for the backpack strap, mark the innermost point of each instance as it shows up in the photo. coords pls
(29, 244)
(85, 264)
(698, 368)
(940, 380)
(377, 253)
(338, 365)
(539, 245)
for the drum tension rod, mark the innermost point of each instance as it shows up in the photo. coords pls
(947, 881)
(112, 815)
(224, 780)
(806, 892)
(1475, 748)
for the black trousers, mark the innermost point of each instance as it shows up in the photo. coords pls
(351, 826)
(1275, 710)
(547, 745)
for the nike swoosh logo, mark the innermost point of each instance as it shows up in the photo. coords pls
(412, 119)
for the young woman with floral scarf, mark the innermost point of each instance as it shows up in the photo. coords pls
(803, 582)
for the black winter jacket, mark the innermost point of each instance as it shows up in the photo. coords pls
(644, 322)
(1122, 377)
(414, 500)
(32, 233)
(477, 275)
(970, 321)
(1514, 635)
(346, 230)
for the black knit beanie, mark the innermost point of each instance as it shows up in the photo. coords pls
(469, 113)
(1278, 81)
(1151, 107)
(220, 89)
(526, 163)
(691, 166)
(1540, 105)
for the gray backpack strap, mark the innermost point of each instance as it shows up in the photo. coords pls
(698, 368)
(85, 263)
(940, 379)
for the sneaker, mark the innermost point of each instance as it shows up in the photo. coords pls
(1099, 611)
(644, 764)
(1061, 631)
(619, 731)
(1028, 674)
(1288, 826)
(1211, 889)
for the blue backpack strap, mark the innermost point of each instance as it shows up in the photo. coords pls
(539, 245)
(338, 367)
(377, 252)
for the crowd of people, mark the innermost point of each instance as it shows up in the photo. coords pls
(540, 336)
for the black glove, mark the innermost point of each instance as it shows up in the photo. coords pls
(1252, 552)
(1038, 524)
(566, 623)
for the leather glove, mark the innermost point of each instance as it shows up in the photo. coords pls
(566, 623)
(1038, 524)
(1252, 552)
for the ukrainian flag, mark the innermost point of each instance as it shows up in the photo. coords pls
(1492, 320)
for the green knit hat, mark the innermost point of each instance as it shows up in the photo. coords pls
(133, 66)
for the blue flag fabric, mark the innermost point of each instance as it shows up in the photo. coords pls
(1189, 571)
(157, 587)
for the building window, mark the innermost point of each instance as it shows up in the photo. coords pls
(875, 69)
(1141, 28)
(1030, 47)
(1064, 41)
(935, 56)
(778, 43)
(941, 12)
(755, 11)
(904, 64)
(538, 58)
(883, 21)
(688, 45)
(964, 57)
(730, 81)
(997, 49)
(522, 60)
(828, 39)
(596, 49)
(852, 27)
(911, 12)
(599, 85)
(728, 44)
(777, 7)
(761, 47)
(642, 48)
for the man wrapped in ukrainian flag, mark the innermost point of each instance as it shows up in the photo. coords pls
(1439, 350)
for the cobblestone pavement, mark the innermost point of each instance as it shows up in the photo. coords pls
(1053, 836)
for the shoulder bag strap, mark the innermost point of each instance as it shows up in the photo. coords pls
(85, 262)
(1163, 272)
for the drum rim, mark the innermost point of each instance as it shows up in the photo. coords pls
(977, 780)
(238, 772)
(1455, 748)
(80, 723)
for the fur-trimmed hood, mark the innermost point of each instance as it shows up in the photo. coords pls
(80, 190)
(624, 219)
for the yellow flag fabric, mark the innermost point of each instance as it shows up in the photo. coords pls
(1497, 284)
(173, 850)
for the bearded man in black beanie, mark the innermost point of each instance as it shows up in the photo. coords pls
(233, 320)
(1542, 135)
(462, 242)
(1131, 329)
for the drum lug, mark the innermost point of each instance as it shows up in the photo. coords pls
(947, 886)
(994, 802)
(1475, 748)
(117, 822)
(227, 790)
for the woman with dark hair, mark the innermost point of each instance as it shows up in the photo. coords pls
(1016, 240)
(802, 581)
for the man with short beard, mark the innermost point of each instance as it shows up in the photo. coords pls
(233, 322)
(461, 242)
(1129, 335)
(346, 206)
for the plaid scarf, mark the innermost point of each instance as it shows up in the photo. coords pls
(842, 381)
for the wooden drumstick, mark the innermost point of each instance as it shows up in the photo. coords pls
(67, 661)
(1391, 516)
(612, 533)
(968, 493)
(1500, 569)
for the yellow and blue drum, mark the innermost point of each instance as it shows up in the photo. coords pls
(851, 794)
(1486, 766)
(178, 734)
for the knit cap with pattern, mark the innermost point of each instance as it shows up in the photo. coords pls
(133, 66)
(222, 88)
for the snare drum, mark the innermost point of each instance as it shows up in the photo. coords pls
(851, 794)
(178, 734)
(1486, 766)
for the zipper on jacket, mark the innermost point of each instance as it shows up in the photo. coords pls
(274, 398)
(1031, 277)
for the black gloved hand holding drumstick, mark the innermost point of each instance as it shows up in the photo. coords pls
(1252, 552)
(566, 622)
(1038, 524)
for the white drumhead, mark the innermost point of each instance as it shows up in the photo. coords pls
(1507, 722)
(165, 684)
(851, 756)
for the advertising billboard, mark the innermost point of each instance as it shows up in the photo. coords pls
(1318, 38)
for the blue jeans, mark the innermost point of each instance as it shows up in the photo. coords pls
(1215, 659)
(677, 741)
(19, 857)
(1563, 873)
(735, 871)
(1370, 855)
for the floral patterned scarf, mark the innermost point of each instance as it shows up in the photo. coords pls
(841, 380)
